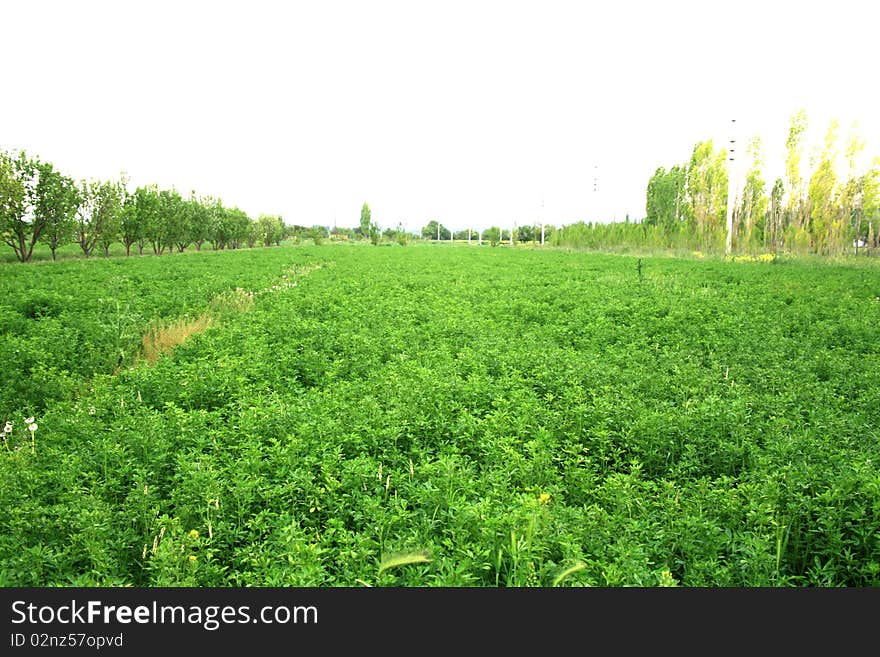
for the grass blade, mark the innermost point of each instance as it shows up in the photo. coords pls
(569, 571)
(403, 559)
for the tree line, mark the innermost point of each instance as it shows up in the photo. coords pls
(40, 204)
(810, 210)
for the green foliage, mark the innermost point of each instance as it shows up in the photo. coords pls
(492, 235)
(401, 236)
(366, 221)
(707, 189)
(56, 203)
(750, 217)
(687, 206)
(270, 229)
(317, 234)
(709, 425)
(374, 233)
(825, 223)
(38, 204)
(108, 213)
(666, 198)
(20, 221)
(434, 230)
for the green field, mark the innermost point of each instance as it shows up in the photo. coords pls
(441, 416)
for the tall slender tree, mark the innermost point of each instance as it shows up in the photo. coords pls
(365, 220)
(796, 207)
(851, 193)
(774, 225)
(753, 203)
(707, 189)
(825, 223)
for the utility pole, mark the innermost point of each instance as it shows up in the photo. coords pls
(598, 211)
(542, 220)
(731, 188)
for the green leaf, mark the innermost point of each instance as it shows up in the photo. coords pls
(402, 559)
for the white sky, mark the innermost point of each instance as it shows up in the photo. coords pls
(468, 112)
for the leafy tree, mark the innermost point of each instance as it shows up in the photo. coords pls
(666, 197)
(317, 233)
(57, 199)
(374, 232)
(239, 225)
(754, 201)
(870, 201)
(153, 225)
(89, 216)
(401, 235)
(220, 232)
(253, 234)
(280, 231)
(20, 224)
(270, 229)
(297, 233)
(493, 234)
(774, 225)
(365, 219)
(825, 224)
(176, 217)
(200, 218)
(797, 205)
(852, 192)
(108, 213)
(707, 189)
(526, 233)
(131, 226)
(434, 230)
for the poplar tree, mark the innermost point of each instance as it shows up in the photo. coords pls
(825, 225)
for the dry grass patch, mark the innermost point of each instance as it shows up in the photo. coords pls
(163, 336)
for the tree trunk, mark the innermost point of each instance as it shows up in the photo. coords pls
(858, 229)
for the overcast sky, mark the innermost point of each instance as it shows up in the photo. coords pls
(474, 113)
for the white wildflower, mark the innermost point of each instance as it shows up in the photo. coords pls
(30, 420)
(32, 426)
